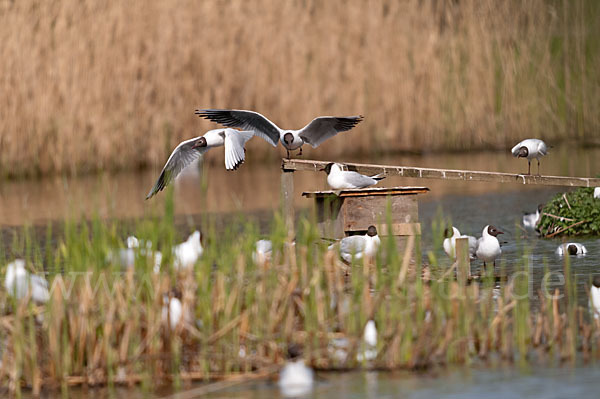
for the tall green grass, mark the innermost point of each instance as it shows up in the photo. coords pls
(103, 325)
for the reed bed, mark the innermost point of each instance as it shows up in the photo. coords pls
(95, 86)
(106, 326)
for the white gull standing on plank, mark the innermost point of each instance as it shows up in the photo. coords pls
(317, 131)
(340, 179)
(530, 149)
(190, 150)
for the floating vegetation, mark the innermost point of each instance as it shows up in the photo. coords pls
(104, 325)
(571, 214)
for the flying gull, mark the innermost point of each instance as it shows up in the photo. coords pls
(190, 150)
(316, 132)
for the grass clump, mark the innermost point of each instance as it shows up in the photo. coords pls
(571, 214)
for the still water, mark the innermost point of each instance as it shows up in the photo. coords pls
(254, 189)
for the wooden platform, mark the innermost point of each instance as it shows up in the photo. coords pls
(445, 174)
(346, 212)
(371, 191)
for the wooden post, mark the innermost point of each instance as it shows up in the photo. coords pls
(287, 200)
(461, 248)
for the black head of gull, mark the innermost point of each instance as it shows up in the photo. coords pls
(327, 168)
(572, 249)
(523, 152)
(288, 138)
(294, 351)
(540, 207)
(596, 282)
(372, 231)
(200, 143)
(493, 231)
(448, 232)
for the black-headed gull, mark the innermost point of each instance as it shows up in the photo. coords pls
(571, 248)
(19, 283)
(190, 150)
(126, 256)
(488, 246)
(172, 310)
(317, 131)
(262, 251)
(595, 297)
(188, 252)
(530, 220)
(340, 179)
(359, 246)
(530, 149)
(449, 243)
(597, 192)
(295, 378)
(369, 344)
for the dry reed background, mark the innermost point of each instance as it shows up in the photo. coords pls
(92, 85)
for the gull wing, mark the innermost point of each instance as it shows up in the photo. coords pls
(182, 156)
(352, 245)
(358, 180)
(247, 120)
(324, 127)
(235, 153)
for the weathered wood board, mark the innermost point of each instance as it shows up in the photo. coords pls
(447, 174)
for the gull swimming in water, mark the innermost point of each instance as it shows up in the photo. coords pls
(317, 131)
(450, 243)
(295, 378)
(359, 246)
(530, 149)
(190, 150)
(340, 179)
(530, 220)
(19, 283)
(571, 248)
(488, 246)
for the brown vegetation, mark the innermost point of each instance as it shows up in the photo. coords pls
(89, 85)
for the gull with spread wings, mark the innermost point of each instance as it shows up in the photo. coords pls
(317, 131)
(190, 150)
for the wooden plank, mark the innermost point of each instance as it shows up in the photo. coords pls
(447, 174)
(371, 191)
(399, 229)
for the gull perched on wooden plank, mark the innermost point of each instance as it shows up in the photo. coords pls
(316, 132)
(530, 149)
(340, 179)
